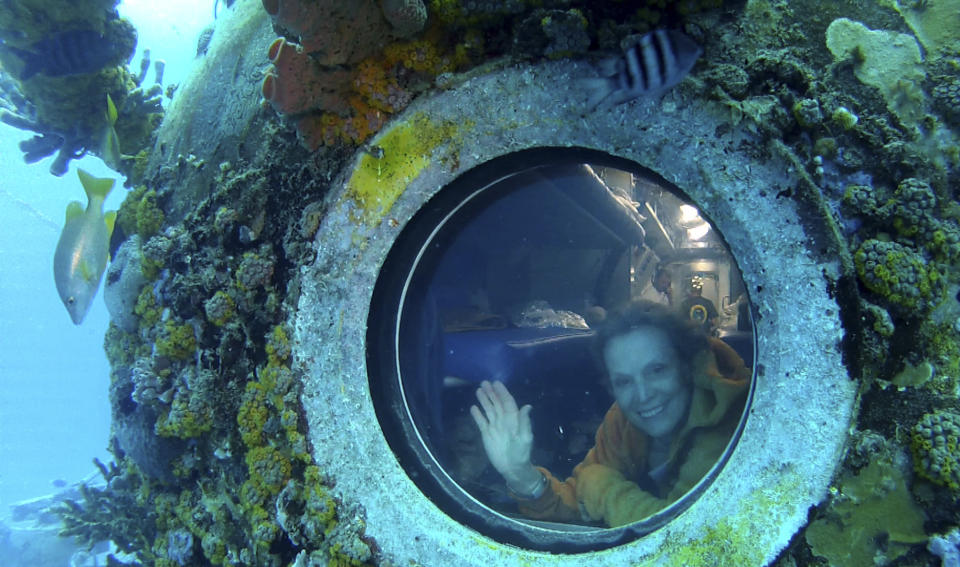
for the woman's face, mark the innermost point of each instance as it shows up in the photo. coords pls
(647, 381)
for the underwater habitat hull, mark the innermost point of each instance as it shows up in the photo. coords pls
(792, 440)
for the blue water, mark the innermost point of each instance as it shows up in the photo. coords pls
(54, 376)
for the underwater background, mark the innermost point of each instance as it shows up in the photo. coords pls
(200, 380)
(54, 409)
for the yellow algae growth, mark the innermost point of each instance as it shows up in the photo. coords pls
(396, 159)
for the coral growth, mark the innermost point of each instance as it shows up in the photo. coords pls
(899, 275)
(934, 443)
(946, 99)
(313, 75)
(406, 16)
(334, 33)
(111, 513)
(220, 308)
(298, 83)
(205, 403)
(340, 73)
(554, 33)
(910, 272)
(66, 107)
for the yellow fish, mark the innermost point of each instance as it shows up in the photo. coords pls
(83, 248)
(110, 143)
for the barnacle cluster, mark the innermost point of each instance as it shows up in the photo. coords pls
(808, 113)
(190, 413)
(935, 449)
(176, 340)
(861, 198)
(255, 270)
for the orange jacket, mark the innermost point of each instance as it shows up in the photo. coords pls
(604, 485)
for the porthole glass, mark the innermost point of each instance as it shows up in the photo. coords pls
(535, 275)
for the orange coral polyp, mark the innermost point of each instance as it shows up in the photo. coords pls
(269, 86)
(273, 52)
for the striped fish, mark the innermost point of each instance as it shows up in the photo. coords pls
(71, 52)
(656, 63)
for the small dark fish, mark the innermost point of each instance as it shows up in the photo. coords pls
(203, 42)
(658, 61)
(67, 53)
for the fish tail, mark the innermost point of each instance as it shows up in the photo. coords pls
(609, 66)
(96, 188)
(31, 61)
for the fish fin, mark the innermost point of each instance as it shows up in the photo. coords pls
(609, 66)
(31, 61)
(110, 144)
(86, 272)
(110, 149)
(111, 111)
(95, 187)
(110, 219)
(74, 210)
(599, 90)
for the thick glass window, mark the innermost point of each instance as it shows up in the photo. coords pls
(590, 290)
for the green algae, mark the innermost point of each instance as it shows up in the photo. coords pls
(870, 506)
(935, 25)
(887, 60)
(914, 375)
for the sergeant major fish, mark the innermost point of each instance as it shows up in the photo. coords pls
(82, 250)
(67, 53)
(656, 63)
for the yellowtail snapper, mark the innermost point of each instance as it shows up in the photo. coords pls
(656, 63)
(83, 248)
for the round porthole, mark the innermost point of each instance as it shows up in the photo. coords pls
(419, 221)
(505, 276)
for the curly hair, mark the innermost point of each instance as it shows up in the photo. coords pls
(687, 338)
